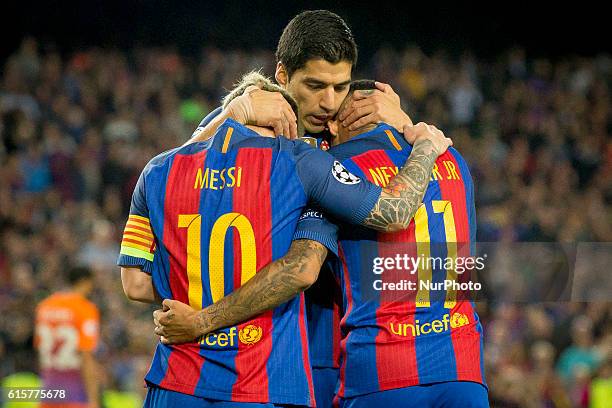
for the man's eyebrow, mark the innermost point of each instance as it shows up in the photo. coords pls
(315, 81)
(345, 83)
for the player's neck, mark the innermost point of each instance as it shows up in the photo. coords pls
(81, 289)
(262, 131)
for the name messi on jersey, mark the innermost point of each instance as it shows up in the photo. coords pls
(446, 171)
(215, 179)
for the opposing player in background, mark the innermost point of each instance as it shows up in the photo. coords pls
(66, 334)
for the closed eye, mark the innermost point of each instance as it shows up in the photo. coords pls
(340, 88)
(316, 87)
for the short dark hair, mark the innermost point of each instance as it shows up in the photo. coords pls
(315, 34)
(362, 85)
(78, 273)
(358, 85)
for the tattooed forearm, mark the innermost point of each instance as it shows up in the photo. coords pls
(272, 286)
(400, 199)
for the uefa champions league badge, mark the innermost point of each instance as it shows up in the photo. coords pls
(344, 176)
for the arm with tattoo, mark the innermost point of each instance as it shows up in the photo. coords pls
(401, 198)
(275, 284)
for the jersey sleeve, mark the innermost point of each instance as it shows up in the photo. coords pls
(313, 225)
(89, 328)
(138, 243)
(330, 186)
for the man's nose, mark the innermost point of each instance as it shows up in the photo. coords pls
(327, 101)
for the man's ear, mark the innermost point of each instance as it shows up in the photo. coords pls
(332, 125)
(281, 76)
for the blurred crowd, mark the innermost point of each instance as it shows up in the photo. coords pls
(76, 130)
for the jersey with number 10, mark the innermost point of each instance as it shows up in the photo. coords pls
(323, 299)
(204, 218)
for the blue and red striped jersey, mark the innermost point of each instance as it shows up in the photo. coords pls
(390, 341)
(324, 298)
(323, 311)
(204, 218)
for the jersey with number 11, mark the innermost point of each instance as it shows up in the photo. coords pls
(204, 218)
(396, 336)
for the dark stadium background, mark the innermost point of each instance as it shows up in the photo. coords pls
(543, 28)
(537, 78)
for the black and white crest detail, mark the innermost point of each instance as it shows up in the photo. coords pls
(344, 176)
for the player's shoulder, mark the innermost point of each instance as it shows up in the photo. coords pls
(161, 159)
(62, 304)
(191, 148)
(452, 152)
(280, 143)
(91, 310)
(382, 138)
(455, 153)
(164, 159)
(452, 159)
(57, 298)
(85, 307)
(231, 136)
(244, 137)
(47, 302)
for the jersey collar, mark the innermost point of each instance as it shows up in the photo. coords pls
(378, 129)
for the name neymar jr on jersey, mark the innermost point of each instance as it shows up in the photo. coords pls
(215, 179)
(381, 175)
